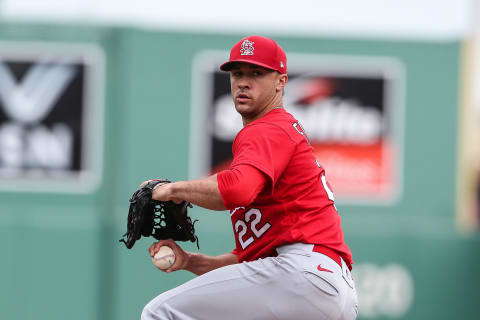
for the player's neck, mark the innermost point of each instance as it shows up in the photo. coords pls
(247, 121)
(275, 103)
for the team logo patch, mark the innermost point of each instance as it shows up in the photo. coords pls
(247, 48)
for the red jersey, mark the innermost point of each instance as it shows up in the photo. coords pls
(297, 204)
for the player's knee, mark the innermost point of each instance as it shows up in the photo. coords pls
(158, 314)
(146, 314)
(166, 306)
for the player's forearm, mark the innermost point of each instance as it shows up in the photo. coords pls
(203, 193)
(199, 263)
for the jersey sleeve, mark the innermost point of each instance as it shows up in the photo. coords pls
(264, 146)
(240, 185)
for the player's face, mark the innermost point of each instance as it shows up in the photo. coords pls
(255, 90)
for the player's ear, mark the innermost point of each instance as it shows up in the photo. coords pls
(282, 80)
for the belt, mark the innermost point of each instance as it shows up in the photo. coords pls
(331, 254)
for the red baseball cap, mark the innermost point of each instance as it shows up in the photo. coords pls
(258, 50)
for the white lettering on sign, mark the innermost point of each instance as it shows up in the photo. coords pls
(39, 147)
(31, 100)
(383, 290)
(330, 120)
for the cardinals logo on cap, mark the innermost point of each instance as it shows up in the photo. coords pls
(247, 48)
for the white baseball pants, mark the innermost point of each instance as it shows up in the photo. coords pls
(287, 287)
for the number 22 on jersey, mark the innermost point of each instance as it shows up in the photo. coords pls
(252, 221)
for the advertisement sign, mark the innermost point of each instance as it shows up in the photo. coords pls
(51, 117)
(350, 107)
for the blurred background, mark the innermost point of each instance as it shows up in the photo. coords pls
(97, 96)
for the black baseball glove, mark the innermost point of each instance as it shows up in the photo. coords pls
(160, 219)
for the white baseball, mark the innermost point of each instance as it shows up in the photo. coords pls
(164, 258)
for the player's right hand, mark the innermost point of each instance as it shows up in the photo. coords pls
(181, 257)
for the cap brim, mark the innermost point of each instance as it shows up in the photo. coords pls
(227, 66)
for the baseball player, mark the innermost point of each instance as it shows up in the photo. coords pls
(290, 260)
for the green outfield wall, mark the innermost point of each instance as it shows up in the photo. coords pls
(61, 255)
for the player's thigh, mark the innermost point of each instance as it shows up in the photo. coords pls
(262, 289)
